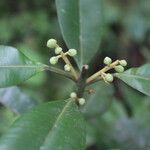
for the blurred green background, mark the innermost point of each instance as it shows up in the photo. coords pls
(119, 119)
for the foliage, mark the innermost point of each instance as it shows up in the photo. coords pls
(115, 116)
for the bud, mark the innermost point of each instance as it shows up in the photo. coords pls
(107, 60)
(58, 50)
(72, 52)
(119, 68)
(123, 63)
(53, 60)
(67, 67)
(81, 101)
(73, 95)
(109, 77)
(51, 43)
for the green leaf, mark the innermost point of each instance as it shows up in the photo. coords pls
(138, 78)
(51, 126)
(15, 67)
(81, 23)
(100, 101)
(6, 119)
(17, 101)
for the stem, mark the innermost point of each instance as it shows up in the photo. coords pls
(94, 81)
(99, 73)
(59, 71)
(81, 84)
(66, 60)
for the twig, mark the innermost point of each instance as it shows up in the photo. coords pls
(60, 72)
(99, 73)
(66, 60)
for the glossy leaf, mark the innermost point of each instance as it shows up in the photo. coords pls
(15, 67)
(138, 78)
(81, 23)
(17, 101)
(51, 126)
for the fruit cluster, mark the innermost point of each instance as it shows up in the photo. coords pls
(117, 65)
(81, 101)
(52, 43)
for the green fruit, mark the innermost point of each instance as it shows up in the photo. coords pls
(107, 60)
(51, 43)
(73, 95)
(58, 50)
(53, 60)
(72, 52)
(109, 77)
(81, 101)
(67, 67)
(123, 62)
(119, 68)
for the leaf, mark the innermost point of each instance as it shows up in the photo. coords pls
(100, 101)
(81, 25)
(6, 119)
(51, 126)
(16, 100)
(15, 67)
(138, 78)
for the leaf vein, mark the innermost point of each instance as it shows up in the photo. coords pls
(134, 76)
(59, 117)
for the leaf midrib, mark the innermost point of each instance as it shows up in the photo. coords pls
(80, 34)
(133, 76)
(57, 120)
(20, 66)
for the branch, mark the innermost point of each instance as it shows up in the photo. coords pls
(82, 81)
(60, 72)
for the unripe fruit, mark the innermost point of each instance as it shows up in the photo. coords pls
(51, 43)
(72, 52)
(107, 60)
(53, 60)
(119, 68)
(73, 95)
(81, 101)
(123, 63)
(109, 77)
(67, 67)
(58, 50)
